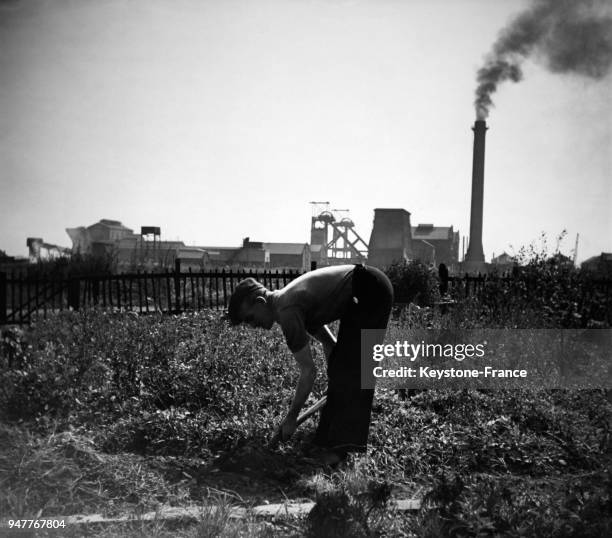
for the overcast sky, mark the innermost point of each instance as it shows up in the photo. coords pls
(221, 119)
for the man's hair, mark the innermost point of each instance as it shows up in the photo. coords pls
(248, 288)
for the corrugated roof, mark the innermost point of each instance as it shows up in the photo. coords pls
(191, 253)
(285, 248)
(115, 224)
(224, 249)
(432, 232)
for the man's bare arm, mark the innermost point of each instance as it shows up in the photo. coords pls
(325, 336)
(308, 373)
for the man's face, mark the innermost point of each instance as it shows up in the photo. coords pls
(257, 314)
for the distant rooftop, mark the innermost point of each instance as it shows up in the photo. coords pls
(110, 224)
(605, 257)
(285, 248)
(429, 231)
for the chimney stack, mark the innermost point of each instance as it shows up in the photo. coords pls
(475, 253)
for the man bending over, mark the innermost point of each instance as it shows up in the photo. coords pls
(357, 295)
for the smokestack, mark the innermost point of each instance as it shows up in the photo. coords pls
(475, 252)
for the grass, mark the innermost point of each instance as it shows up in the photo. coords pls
(122, 414)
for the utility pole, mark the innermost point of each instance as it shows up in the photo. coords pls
(576, 249)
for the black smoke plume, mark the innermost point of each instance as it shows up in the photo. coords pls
(566, 36)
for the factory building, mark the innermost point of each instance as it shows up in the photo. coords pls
(391, 238)
(334, 240)
(147, 251)
(503, 262)
(130, 250)
(599, 265)
(262, 255)
(435, 244)
(394, 239)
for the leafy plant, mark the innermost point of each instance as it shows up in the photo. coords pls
(414, 282)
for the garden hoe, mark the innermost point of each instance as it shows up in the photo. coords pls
(310, 411)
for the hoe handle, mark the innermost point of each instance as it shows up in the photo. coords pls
(312, 409)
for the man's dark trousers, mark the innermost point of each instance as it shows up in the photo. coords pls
(345, 419)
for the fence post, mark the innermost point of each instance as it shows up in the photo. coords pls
(3, 298)
(224, 288)
(443, 274)
(177, 285)
(95, 290)
(74, 288)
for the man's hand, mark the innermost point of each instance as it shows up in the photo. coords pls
(308, 372)
(284, 432)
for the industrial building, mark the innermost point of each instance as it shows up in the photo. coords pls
(130, 250)
(391, 238)
(334, 240)
(599, 265)
(503, 261)
(435, 244)
(257, 254)
(148, 251)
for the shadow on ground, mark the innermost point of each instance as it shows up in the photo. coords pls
(250, 470)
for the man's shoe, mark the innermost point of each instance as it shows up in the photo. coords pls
(333, 458)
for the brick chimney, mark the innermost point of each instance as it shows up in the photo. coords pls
(475, 253)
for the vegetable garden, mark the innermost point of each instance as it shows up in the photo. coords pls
(114, 413)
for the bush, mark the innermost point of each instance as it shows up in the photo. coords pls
(544, 291)
(414, 282)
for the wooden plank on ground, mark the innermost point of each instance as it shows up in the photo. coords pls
(278, 511)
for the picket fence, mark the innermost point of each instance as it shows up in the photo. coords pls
(24, 298)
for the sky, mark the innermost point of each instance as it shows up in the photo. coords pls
(221, 119)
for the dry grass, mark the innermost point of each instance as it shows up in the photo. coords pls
(63, 474)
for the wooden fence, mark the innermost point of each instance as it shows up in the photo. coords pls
(475, 285)
(23, 298)
(589, 297)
